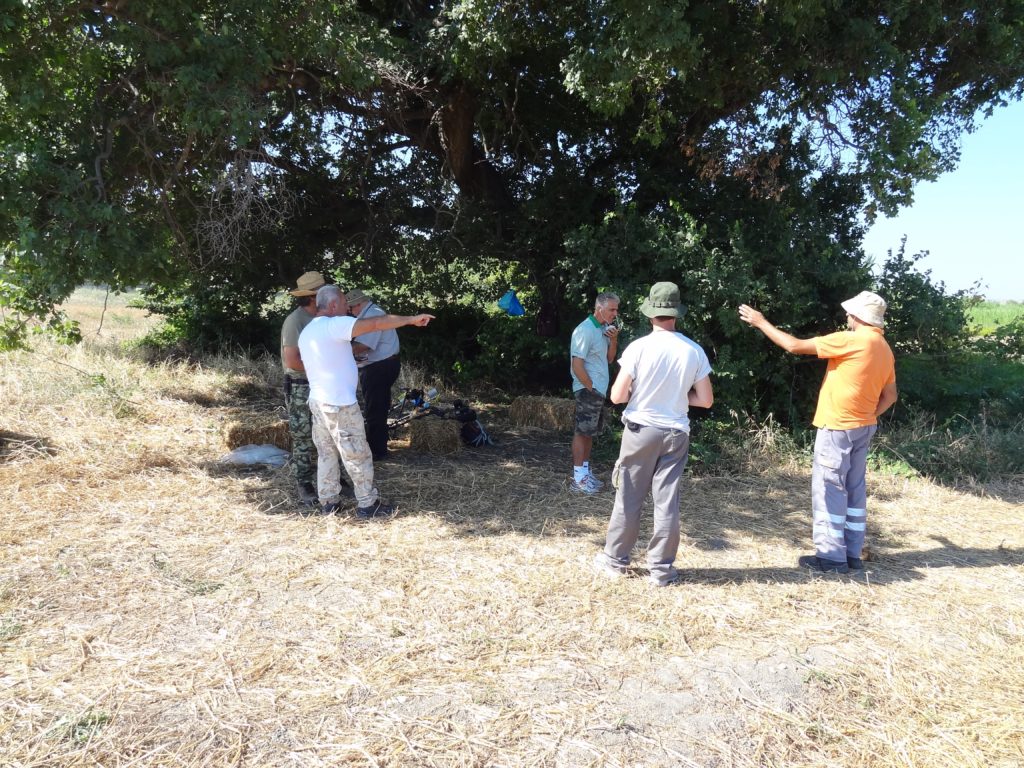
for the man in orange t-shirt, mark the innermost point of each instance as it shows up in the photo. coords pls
(859, 386)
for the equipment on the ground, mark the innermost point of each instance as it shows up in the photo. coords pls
(415, 404)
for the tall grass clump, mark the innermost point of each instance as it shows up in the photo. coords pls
(959, 451)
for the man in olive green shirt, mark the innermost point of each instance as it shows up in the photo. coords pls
(296, 387)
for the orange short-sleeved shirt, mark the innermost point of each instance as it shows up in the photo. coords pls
(860, 365)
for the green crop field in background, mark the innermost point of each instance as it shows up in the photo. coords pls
(989, 315)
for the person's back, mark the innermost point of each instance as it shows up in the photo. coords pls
(664, 366)
(859, 386)
(860, 364)
(326, 350)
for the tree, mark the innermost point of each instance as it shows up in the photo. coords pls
(427, 143)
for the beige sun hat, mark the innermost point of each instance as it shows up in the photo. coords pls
(867, 307)
(355, 297)
(663, 301)
(308, 284)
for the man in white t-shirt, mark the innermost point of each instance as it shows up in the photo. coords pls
(661, 375)
(326, 348)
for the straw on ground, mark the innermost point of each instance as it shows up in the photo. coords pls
(158, 608)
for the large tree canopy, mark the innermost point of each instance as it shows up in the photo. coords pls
(224, 147)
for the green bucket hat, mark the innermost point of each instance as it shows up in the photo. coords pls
(663, 301)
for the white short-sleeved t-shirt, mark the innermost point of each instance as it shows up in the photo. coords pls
(326, 348)
(664, 366)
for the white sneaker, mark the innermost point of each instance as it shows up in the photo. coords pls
(584, 486)
(604, 567)
(594, 481)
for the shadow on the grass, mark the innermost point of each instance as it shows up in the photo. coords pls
(519, 486)
(15, 444)
(892, 568)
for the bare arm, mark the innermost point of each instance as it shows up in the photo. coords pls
(581, 373)
(291, 358)
(387, 322)
(779, 338)
(613, 342)
(702, 395)
(886, 399)
(621, 388)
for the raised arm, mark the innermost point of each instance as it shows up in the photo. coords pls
(613, 342)
(780, 338)
(387, 322)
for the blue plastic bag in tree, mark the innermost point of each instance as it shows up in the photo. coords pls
(510, 303)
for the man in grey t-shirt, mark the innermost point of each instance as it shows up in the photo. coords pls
(377, 357)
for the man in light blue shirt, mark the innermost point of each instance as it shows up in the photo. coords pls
(593, 347)
(376, 355)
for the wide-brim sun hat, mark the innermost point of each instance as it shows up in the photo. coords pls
(308, 284)
(867, 307)
(663, 301)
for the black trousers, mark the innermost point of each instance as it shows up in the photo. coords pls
(376, 380)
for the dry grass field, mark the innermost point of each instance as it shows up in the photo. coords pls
(160, 608)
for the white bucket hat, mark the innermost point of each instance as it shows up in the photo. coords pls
(867, 307)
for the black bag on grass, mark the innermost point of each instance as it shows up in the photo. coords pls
(472, 431)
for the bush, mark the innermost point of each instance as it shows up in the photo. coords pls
(467, 344)
(964, 384)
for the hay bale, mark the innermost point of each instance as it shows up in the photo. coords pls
(556, 413)
(432, 435)
(258, 431)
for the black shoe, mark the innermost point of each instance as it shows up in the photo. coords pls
(375, 510)
(821, 565)
(331, 508)
(855, 563)
(307, 493)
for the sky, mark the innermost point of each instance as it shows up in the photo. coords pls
(969, 220)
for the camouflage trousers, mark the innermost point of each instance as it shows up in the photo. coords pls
(338, 432)
(300, 425)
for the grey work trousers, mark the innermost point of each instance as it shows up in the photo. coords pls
(839, 492)
(650, 459)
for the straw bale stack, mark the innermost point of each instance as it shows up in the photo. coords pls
(556, 413)
(258, 431)
(431, 435)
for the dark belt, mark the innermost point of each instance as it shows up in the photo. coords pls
(294, 380)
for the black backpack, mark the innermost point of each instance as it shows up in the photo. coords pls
(472, 431)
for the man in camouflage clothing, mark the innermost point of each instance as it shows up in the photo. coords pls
(325, 346)
(296, 387)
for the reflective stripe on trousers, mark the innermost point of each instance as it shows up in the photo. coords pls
(839, 491)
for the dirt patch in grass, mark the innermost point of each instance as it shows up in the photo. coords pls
(159, 608)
